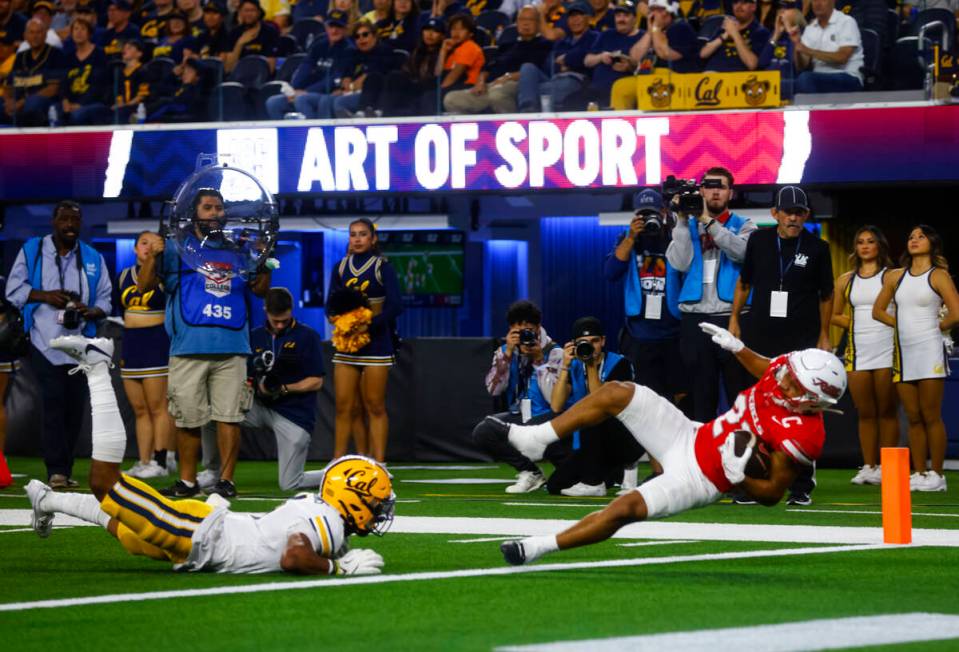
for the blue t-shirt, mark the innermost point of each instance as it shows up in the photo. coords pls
(726, 58)
(611, 41)
(204, 316)
(298, 354)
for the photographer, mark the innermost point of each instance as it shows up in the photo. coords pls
(708, 247)
(603, 450)
(63, 288)
(524, 370)
(287, 371)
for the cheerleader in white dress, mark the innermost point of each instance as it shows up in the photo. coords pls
(920, 363)
(869, 350)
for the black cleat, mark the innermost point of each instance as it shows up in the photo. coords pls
(224, 488)
(513, 552)
(799, 498)
(181, 490)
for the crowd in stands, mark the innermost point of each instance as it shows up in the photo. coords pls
(81, 62)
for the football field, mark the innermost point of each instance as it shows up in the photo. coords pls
(727, 577)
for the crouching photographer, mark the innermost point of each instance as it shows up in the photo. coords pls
(286, 369)
(600, 452)
(523, 371)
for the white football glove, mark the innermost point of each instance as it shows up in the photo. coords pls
(361, 561)
(734, 466)
(722, 337)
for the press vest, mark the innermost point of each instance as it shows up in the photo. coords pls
(88, 260)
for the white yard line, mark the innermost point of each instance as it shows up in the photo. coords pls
(639, 544)
(520, 504)
(419, 577)
(800, 510)
(480, 540)
(825, 634)
(462, 481)
(445, 467)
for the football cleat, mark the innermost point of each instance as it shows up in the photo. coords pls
(88, 351)
(359, 488)
(41, 521)
(526, 482)
(513, 552)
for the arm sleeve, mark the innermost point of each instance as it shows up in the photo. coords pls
(104, 300)
(679, 253)
(497, 378)
(733, 244)
(849, 35)
(18, 289)
(392, 307)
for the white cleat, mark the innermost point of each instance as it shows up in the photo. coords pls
(582, 489)
(868, 475)
(931, 481)
(88, 351)
(526, 482)
(41, 521)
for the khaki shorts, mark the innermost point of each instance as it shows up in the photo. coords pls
(209, 387)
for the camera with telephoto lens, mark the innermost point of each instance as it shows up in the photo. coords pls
(263, 374)
(527, 337)
(652, 223)
(584, 349)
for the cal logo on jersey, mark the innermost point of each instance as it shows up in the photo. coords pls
(218, 279)
(802, 260)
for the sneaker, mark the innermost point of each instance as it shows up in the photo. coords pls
(207, 478)
(914, 481)
(149, 470)
(799, 498)
(932, 481)
(41, 521)
(224, 488)
(741, 498)
(88, 351)
(526, 482)
(60, 481)
(513, 552)
(582, 489)
(867, 475)
(180, 489)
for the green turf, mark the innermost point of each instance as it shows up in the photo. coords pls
(476, 613)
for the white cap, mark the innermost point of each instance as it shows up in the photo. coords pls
(671, 7)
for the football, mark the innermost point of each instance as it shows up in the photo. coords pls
(758, 464)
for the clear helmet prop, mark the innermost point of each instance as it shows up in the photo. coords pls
(222, 221)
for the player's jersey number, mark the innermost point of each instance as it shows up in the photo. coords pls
(732, 419)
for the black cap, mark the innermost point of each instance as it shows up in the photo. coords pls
(337, 17)
(791, 198)
(625, 6)
(587, 327)
(124, 5)
(218, 7)
(581, 7)
(435, 23)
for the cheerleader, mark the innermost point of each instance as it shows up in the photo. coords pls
(869, 347)
(144, 366)
(920, 364)
(363, 337)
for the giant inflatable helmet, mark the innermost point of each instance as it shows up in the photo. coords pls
(222, 221)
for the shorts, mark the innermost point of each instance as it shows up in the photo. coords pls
(378, 353)
(208, 388)
(145, 353)
(669, 436)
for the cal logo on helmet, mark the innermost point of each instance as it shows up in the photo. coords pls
(359, 488)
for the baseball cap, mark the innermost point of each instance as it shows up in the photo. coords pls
(625, 6)
(43, 4)
(580, 7)
(435, 23)
(587, 327)
(671, 7)
(647, 200)
(791, 197)
(337, 17)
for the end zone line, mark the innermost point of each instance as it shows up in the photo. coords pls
(418, 577)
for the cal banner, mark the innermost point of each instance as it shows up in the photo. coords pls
(664, 90)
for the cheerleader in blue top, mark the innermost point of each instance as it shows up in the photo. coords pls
(361, 375)
(144, 364)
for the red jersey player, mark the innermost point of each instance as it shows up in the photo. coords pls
(784, 409)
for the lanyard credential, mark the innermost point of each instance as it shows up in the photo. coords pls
(779, 248)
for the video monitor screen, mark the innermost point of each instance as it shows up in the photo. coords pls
(429, 265)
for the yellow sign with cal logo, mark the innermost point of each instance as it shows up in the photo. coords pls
(667, 91)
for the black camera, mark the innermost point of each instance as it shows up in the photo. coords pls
(528, 337)
(71, 316)
(652, 223)
(584, 349)
(264, 375)
(690, 201)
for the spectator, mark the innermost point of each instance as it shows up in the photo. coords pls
(34, 82)
(380, 17)
(602, 450)
(524, 370)
(873, 14)
(87, 13)
(215, 39)
(315, 9)
(194, 16)
(778, 52)
(372, 56)
(498, 83)
(349, 8)
(87, 84)
(63, 288)
(412, 90)
(188, 101)
(602, 18)
(144, 365)
(176, 42)
(552, 15)
(119, 28)
(402, 32)
(285, 383)
(568, 74)
(135, 86)
(609, 56)
(768, 10)
(42, 11)
(708, 250)
(869, 350)
(447, 9)
(278, 13)
(511, 7)
(63, 17)
(921, 288)
(153, 20)
(789, 272)
(12, 25)
(324, 71)
(251, 36)
(460, 57)
(833, 46)
(739, 42)
(208, 348)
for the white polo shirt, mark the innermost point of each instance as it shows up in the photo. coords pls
(840, 31)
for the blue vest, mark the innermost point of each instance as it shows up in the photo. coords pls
(577, 376)
(726, 277)
(89, 261)
(539, 404)
(218, 302)
(634, 290)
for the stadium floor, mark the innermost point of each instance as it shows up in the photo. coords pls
(725, 577)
